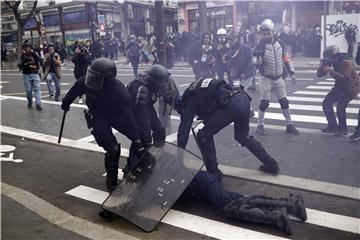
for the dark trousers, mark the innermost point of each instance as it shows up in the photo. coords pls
(207, 188)
(221, 74)
(357, 128)
(135, 64)
(237, 110)
(103, 134)
(342, 99)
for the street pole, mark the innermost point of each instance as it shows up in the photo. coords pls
(203, 17)
(160, 45)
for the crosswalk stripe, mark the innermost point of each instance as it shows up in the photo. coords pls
(303, 118)
(315, 100)
(319, 87)
(317, 93)
(309, 107)
(325, 83)
(176, 218)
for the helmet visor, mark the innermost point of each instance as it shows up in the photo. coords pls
(94, 79)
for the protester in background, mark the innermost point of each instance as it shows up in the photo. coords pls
(30, 65)
(52, 65)
(133, 53)
(346, 88)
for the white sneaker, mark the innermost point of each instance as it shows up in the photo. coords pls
(80, 101)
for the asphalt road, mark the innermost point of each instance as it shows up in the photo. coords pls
(322, 167)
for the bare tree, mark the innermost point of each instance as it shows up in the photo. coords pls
(14, 5)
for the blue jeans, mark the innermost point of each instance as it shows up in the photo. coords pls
(32, 82)
(52, 77)
(246, 82)
(207, 188)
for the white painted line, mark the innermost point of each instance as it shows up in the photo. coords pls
(182, 220)
(325, 83)
(309, 99)
(211, 228)
(53, 140)
(89, 194)
(120, 174)
(319, 87)
(293, 182)
(218, 229)
(313, 93)
(184, 85)
(83, 106)
(305, 71)
(20, 74)
(334, 221)
(322, 187)
(303, 118)
(309, 107)
(59, 217)
(171, 137)
(62, 84)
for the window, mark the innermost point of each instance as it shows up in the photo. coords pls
(75, 17)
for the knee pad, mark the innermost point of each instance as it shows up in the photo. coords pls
(264, 104)
(284, 103)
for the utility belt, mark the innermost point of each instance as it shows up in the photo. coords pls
(224, 99)
(89, 119)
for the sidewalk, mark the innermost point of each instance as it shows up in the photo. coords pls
(299, 62)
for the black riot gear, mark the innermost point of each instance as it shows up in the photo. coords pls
(100, 71)
(160, 80)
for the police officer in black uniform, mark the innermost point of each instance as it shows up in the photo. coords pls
(109, 105)
(154, 83)
(218, 104)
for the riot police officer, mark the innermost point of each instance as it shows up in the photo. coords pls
(218, 104)
(154, 83)
(109, 106)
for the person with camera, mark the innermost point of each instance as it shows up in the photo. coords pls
(82, 60)
(201, 57)
(52, 65)
(110, 106)
(30, 65)
(346, 88)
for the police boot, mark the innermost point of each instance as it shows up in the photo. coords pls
(208, 151)
(269, 164)
(239, 211)
(111, 166)
(294, 204)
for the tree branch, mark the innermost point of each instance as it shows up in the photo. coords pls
(30, 13)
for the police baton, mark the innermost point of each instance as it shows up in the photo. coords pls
(62, 126)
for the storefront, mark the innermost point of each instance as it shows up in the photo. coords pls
(218, 17)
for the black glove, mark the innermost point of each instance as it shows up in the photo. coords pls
(65, 107)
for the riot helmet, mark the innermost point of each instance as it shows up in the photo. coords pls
(330, 52)
(161, 82)
(100, 71)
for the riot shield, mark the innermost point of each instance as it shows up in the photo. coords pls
(146, 194)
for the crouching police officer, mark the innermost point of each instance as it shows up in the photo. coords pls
(257, 208)
(109, 106)
(218, 105)
(154, 83)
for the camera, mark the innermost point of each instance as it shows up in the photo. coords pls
(326, 62)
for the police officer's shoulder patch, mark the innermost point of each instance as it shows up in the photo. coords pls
(206, 82)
